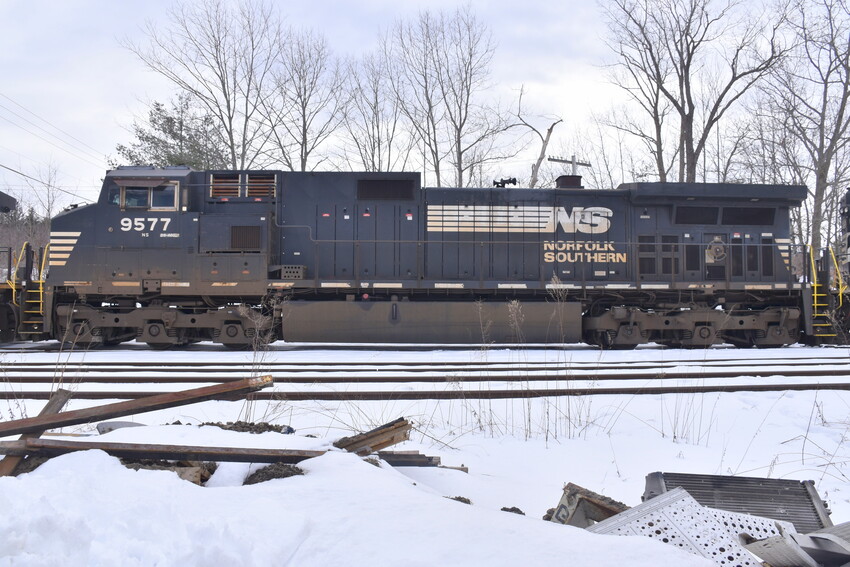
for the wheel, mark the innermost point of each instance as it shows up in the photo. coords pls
(160, 346)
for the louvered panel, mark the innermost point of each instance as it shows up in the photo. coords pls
(260, 185)
(789, 500)
(245, 238)
(224, 185)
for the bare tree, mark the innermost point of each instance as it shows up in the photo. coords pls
(810, 94)
(439, 70)
(544, 138)
(373, 117)
(409, 49)
(307, 103)
(463, 62)
(670, 53)
(223, 56)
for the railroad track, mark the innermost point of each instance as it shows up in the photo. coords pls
(417, 380)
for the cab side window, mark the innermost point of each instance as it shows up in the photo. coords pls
(135, 197)
(163, 198)
(159, 198)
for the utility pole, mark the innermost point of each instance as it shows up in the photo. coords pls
(571, 161)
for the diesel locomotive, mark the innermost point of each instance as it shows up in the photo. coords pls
(174, 256)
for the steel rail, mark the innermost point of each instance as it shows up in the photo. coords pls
(381, 378)
(462, 394)
(52, 369)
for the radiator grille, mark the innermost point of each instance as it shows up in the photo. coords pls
(260, 185)
(245, 238)
(224, 185)
(781, 499)
(385, 189)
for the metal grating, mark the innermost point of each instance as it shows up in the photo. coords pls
(224, 185)
(677, 519)
(781, 499)
(385, 189)
(293, 272)
(260, 185)
(245, 238)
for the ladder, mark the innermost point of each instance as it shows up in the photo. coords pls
(28, 293)
(822, 302)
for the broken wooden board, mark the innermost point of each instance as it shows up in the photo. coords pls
(379, 438)
(408, 459)
(53, 406)
(54, 447)
(132, 407)
(582, 508)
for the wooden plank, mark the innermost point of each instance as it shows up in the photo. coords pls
(132, 407)
(408, 459)
(53, 447)
(53, 406)
(379, 438)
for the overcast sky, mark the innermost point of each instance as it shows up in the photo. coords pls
(69, 91)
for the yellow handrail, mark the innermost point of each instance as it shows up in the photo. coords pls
(14, 275)
(814, 271)
(841, 287)
(44, 256)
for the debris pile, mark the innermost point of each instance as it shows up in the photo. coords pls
(733, 521)
(193, 463)
(273, 471)
(252, 427)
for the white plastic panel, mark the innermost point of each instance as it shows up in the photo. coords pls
(677, 519)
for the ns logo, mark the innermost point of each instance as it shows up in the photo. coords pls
(587, 220)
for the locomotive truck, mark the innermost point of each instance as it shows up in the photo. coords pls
(172, 256)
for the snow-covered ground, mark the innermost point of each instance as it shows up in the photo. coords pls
(87, 509)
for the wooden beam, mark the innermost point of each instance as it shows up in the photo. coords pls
(408, 459)
(379, 438)
(132, 407)
(53, 406)
(53, 447)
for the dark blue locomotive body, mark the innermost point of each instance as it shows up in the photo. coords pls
(173, 256)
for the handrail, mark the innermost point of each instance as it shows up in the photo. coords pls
(14, 275)
(44, 256)
(841, 287)
(814, 274)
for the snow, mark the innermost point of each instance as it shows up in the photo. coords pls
(87, 509)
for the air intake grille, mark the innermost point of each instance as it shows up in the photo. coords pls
(245, 238)
(385, 189)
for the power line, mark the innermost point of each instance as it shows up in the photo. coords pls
(67, 151)
(25, 109)
(46, 184)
